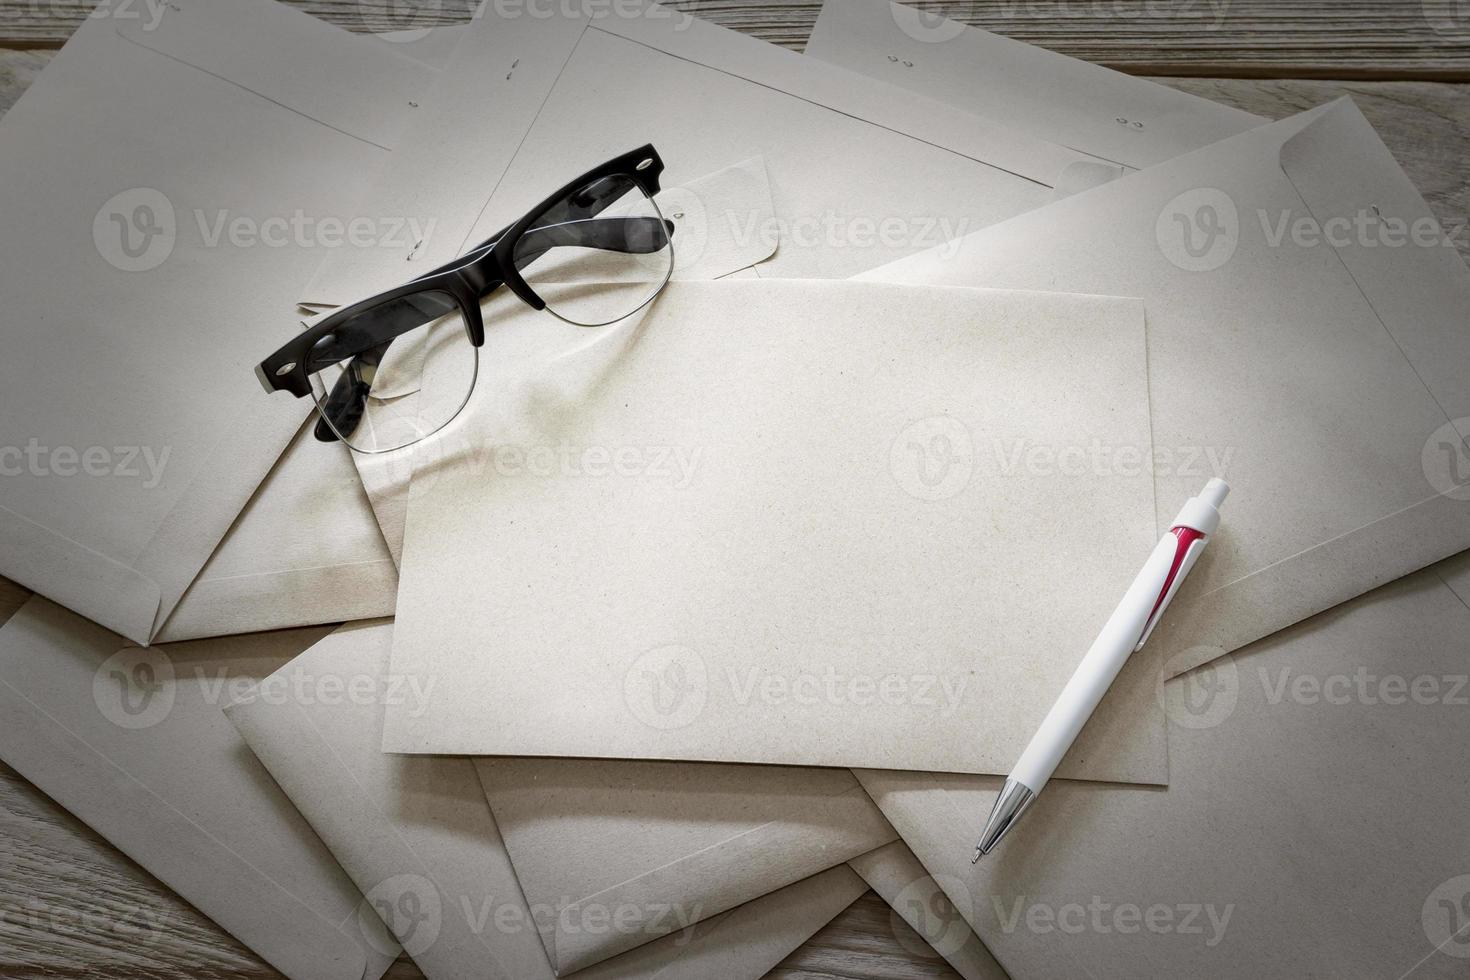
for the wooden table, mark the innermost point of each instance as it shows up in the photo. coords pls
(72, 906)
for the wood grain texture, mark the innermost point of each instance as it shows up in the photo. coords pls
(1359, 39)
(72, 906)
(12, 597)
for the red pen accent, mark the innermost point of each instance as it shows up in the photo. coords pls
(1187, 536)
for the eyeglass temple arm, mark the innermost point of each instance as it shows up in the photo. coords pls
(591, 201)
(633, 236)
(347, 401)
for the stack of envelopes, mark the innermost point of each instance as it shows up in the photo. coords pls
(955, 325)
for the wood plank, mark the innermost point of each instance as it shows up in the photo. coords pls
(868, 941)
(1352, 39)
(72, 906)
(17, 70)
(12, 597)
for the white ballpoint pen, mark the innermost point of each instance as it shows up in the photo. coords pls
(1126, 630)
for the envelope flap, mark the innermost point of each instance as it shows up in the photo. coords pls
(753, 939)
(305, 550)
(841, 90)
(1092, 109)
(48, 652)
(315, 69)
(790, 838)
(363, 836)
(723, 222)
(1403, 260)
(902, 881)
(120, 598)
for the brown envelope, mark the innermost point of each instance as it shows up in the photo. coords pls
(746, 549)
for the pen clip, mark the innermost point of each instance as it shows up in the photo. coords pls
(1186, 552)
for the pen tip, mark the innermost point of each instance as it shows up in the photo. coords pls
(978, 855)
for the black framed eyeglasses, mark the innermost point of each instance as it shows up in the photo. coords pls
(397, 367)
